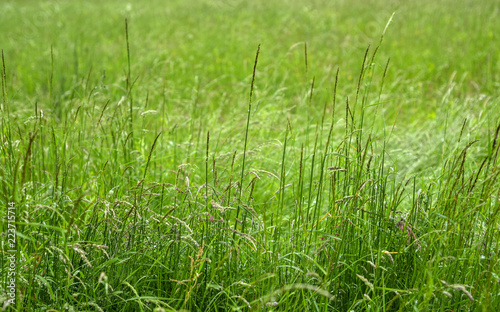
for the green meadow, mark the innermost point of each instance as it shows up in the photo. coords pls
(220, 155)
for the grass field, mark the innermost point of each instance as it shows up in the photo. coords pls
(250, 155)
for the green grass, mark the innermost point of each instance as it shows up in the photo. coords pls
(159, 160)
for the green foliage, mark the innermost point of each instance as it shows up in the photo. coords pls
(157, 163)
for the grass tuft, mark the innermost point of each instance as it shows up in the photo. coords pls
(372, 188)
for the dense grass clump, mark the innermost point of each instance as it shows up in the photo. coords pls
(255, 156)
